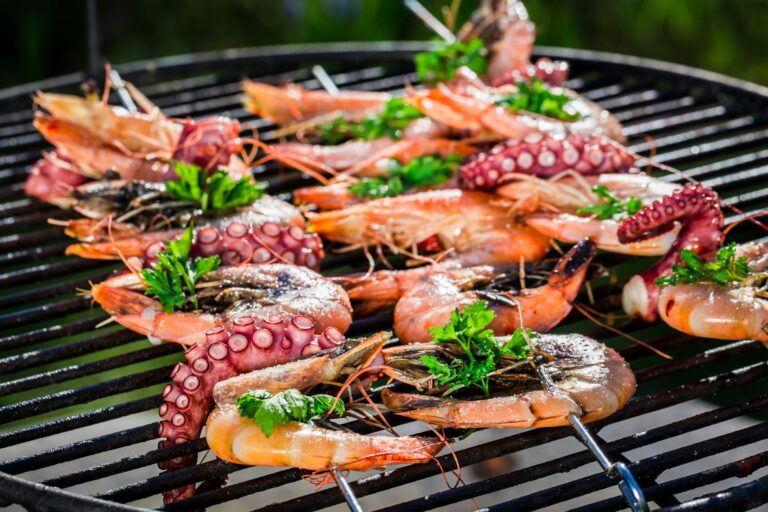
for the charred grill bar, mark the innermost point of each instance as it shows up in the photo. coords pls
(99, 386)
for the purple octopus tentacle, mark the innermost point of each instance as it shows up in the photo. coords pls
(250, 345)
(239, 243)
(544, 156)
(699, 211)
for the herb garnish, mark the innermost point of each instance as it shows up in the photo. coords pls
(440, 65)
(422, 171)
(390, 122)
(538, 98)
(613, 208)
(216, 191)
(724, 270)
(468, 330)
(269, 411)
(173, 278)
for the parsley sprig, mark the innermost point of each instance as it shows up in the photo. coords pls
(422, 171)
(269, 411)
(538, 98)
(725, 269)
(440, 65)
(390, 122)
(614, 207)
(173, 278)
(482, 353)
(216, 191)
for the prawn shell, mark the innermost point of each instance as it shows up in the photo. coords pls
(587, 379)
(241, 441)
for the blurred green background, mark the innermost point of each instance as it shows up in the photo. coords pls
(44, 38)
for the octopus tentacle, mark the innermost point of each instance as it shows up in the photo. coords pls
(239, 243)
(250, 345)
(551, 72)
(698, 209)
(544, 156)
(208, 143)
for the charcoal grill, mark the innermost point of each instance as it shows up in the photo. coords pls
(78, 400)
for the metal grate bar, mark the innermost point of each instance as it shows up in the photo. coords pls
(573, 461)
(48, 403)
(654, 465)
(738, 469)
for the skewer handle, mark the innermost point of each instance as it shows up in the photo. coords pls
(430, 21)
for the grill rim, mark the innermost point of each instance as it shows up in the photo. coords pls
(45, 497)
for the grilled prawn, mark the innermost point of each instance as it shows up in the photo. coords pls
(249, 345)
(566, 374)
(258, 291)
(92, 137)
(240, 440)
(736, 311)
(474, 227)
(427, 296)
(127, 218)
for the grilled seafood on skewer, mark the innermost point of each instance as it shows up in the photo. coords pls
(571, 188)
(249, 346)
(92, 138)
(472, 379)
(126, 218)
(473, 227)
(392, 178)
(237, 433)
(511, 111)
(294, 103)
(259, 291)
(725, 298)
(508, 33)
(426, 297)
(698, 211)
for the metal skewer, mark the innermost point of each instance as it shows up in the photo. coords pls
(628, 485)
(325, 80)
(430, 21)
(119, 86)
(346, 490)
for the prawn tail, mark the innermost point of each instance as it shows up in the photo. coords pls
(571, 270)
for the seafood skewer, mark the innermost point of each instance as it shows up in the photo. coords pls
(236, 438)
(127, 218)
(389, 177)
(426, 297)
(474, 227)
(258, 291)
(591, 381)
(249, 346)
(698, 210)
(93, 138)
(733, 308)
(571, 188)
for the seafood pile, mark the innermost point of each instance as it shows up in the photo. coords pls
(455, 193)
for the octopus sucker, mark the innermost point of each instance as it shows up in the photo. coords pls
(698, 210)
(188, 400)
(544, 156)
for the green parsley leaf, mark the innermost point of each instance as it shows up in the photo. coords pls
(390, 122)
(482, 353)
(536, 97)
(725, 269)
(216, 191)
(173, 278)
(269, 411)
(440, 65)
(420, 172)
(613, 208)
